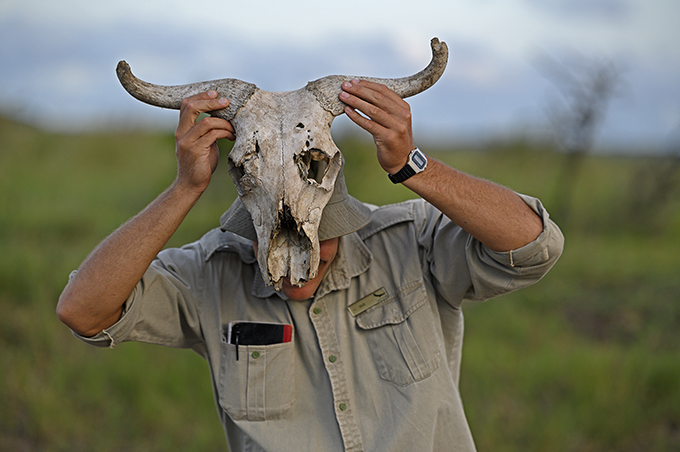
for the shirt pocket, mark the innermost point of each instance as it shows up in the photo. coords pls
(260, 385)
(401, 336)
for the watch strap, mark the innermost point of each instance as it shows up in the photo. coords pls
(401, 175)
(408, 170)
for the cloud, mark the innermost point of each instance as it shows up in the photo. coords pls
(593, 9)
(58, 67)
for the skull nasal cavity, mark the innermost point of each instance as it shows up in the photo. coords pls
(312, 165)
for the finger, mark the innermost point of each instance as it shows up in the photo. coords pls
(219, 123)
(396, 120)
(205, 127)
(397, 135)
(191, 132)
(373, 91)
(203, 147)
(376, 94)
(384, 108)
(383, 105)
(368, 125)
(193, 106)
(207, 140)
(371, 111)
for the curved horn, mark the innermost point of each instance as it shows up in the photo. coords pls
(235, 90)
(327, 89)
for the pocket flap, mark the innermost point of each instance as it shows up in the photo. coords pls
(396, 308)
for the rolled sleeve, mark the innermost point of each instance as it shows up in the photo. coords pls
(464, 268)
(546, 249)
(116, 333)
(162, 308)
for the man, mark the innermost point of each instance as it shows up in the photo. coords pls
(373, 361)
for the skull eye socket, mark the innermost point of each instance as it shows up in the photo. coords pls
(312, 165)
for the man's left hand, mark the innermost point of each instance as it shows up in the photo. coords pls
(386, 116)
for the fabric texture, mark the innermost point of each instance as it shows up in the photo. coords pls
(385, 379)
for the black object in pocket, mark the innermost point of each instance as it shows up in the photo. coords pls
(255, 333)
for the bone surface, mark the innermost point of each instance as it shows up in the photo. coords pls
(284, 162)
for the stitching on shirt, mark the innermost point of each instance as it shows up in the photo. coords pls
(405, 290)
(378, 226)
(215, 241)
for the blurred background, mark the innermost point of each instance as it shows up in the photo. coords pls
(576, 102)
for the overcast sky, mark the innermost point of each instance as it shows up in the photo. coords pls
(58, 58)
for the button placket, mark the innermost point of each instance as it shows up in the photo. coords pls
(328, 343)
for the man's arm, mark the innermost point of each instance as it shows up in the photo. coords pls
(493, 214)
(93, 299)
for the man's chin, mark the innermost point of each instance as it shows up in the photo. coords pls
(296, 293)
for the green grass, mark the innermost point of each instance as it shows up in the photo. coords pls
(586, 360)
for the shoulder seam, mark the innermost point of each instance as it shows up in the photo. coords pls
(401, 212)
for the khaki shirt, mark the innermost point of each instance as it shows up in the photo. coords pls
(383, 380)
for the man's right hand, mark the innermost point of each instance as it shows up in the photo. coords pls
(93, 299)
(196, 142)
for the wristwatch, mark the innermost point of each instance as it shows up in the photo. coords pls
(417, 162)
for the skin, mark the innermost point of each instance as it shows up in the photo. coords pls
(493, 214)
(93, 300)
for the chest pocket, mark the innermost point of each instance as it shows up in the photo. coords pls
(260, 385)
(400, 334)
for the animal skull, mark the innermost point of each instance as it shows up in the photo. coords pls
(284, 162)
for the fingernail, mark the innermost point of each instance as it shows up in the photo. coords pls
(344, 95)
(355, 81)
(347, 85)
(223, 101)
(212, 93)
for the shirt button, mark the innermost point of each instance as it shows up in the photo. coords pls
(342, 406)
(317, 311)
(332, 358)
(256, 355)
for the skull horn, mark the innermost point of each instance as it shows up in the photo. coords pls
(235, 90)
(327, 89)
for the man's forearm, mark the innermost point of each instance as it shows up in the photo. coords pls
(493, 214)
(93, 299)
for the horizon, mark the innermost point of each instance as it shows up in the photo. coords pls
(511, 62)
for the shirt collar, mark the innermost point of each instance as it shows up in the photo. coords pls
(217, 240)
(353, 259)
(260, 289)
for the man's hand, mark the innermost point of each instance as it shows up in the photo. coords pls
(93, 299)
(196, 142)
(491, 213)
(386, 116)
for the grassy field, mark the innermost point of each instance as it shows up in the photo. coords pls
(586, 360)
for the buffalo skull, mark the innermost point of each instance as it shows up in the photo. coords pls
(284, 162)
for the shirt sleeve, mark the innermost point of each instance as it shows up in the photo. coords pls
(162, 308)
(464, 268)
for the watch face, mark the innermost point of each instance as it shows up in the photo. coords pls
(419, 160)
